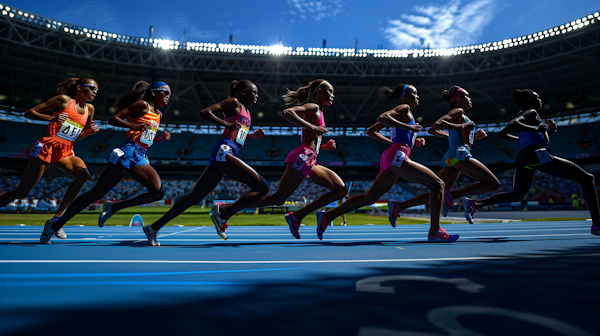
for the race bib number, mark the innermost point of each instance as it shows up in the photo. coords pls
(318, 149)
(115, 155)
(35, 149)
(242, 135)
(300, 161)
(222, 154)
(398, 158)
(70, 130)
(543, 155)
(472, 136)
(413, 139)
(461, 153)
(148, 136)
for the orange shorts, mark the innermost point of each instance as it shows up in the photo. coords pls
(50, 149)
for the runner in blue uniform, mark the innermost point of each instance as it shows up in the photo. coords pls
(534, 136)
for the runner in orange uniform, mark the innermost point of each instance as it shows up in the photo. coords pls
(138, 105)
(72, 122)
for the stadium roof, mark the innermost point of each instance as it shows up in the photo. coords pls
(561, 63)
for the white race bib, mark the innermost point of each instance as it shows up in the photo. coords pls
(398, 158)
(35, 149)
(222, 154)
(542, 155)
(241, 135)
(70, 130)
(148, 135)
(300, 161)
(319, 144)
(115, 155)
(461, 153)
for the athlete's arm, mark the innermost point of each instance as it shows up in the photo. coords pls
(36, 113)
(90, 127)
(229, 107)
(137, 109)
(395, 118)
(292, 114)
(258, 134)
(373, 132)
(524, 122)
(505, 134)
(329, 145)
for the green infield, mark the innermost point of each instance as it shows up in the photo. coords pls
(196, 216)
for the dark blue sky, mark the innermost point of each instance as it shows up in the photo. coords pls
(305, 23)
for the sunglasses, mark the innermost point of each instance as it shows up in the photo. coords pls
(91, 86)
(163, 90)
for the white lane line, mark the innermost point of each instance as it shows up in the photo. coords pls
(289, 261)
(170, 234)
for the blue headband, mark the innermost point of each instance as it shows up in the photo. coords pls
(402, 93)
(158, 85)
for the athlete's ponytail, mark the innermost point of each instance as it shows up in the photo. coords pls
(522, 96)
(238, 85)
(395, 94)
(447, 95)
(69, 86)
(140, 91)
(301, 95)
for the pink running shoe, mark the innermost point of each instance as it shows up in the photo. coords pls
(321, 224)
(293, 223)
(393, 212)
(595, 230)
(441, 237)
(447, 202)
(470, 210)
(220, 224)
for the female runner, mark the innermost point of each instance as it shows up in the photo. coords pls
(302, 162)
(139, 105)
(72, 122)
(458, 158)
(395, 162)
(223, 160)
(534, 136)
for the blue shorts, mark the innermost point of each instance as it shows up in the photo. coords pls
(453, 156)
(130, 154)
(221, 149)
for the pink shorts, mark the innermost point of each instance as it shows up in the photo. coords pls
(303, 159)
(394, 156)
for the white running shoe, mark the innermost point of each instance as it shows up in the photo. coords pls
(47, 233)
(106, 213)
(151, 235)
(220, 224)
(60, 233)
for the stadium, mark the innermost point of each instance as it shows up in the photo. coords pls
(560, 63)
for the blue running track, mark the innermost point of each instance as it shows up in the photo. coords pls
(517, 278)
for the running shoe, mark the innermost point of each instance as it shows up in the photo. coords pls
(447, 203)
(595, 230)
(393, 212)
(470, 210)
(220, 224)
(106, 213)
(321, 223)
(441, 237)
(293, 223)
(48, 232)
(151, 235)
(60, 233)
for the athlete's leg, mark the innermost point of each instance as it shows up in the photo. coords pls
(147, 176)
(568, 170)
(75, 167)
(522, 181)
(415, 172)
(486, 180)
(110, 176)
(290, 181)
(448, 174)
(327, 178)
(34, 171)
(238, 169)
(382, 184)
(206, 183)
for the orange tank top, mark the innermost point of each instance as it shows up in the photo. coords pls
(145, 138)
(69, 130)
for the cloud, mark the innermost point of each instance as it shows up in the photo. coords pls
(441, 26)
(315, 10)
